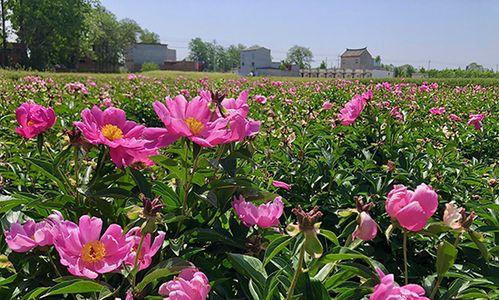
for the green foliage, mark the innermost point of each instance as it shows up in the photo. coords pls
(215, 57)
(150, 37)
(149, 66)
(326, 165)
(300, 56)
(51, 30)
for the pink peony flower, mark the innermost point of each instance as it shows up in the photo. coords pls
(455, 118)
(260, 99)
(351, 111)
(22, 238)
(367, 228)
(190, 284)
(107, 102)
(265, 215)
(280, 184)
(192, 120)
(76, 87)
(85, 252)
(327, 105)
(236, 111)
(387, 289)
(34, 119)
(147, 251)
(476, 120)
(396, 114)
(437, 110)
(125, 139)
(412, 209)
(132, 76)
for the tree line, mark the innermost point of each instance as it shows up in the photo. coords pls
(215, 57)
(57, 33)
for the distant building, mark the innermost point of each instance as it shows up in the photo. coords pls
(345, 73)
(357, 59)
(182, 65)
(257, 61)
(419, 75)
(355, 63)
(141, 53)
(87, 64)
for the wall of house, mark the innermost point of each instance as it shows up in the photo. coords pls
(278, 72)
(156, 53)
(254, 59)
(364, 62)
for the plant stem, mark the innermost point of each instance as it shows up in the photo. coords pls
(406, 276)
(77, 174)
(437, 285)
(53, 264)
(297, 273)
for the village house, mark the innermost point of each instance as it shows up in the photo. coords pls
(141, 53)
(257, 61)
(357, 59)
(355, 63)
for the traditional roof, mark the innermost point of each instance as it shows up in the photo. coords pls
(354, 52)
(254, 48)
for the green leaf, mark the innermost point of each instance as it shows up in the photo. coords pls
(163, 269)
(168, 196)
(275, 247)
(7, 280)
(446, 255)
(79, 286)
(142, 183)
(254, 290)
(476, 238)
(47, 169)
(330, 236)
(249, 266)
(35, 294)
(312, 245)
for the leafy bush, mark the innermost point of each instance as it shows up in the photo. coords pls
(149, 66)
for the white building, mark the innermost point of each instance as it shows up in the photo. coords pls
(140, 53)
(345, 73)
(257, 61)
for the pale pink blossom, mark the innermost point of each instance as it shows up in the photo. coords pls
(264, 216)
(412, 209)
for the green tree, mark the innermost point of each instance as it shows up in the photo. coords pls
(150, 37)
(234, 55)
(129, 32)
(323, 65)
(51, 29)
(300, 56)
(200, 51)
(107, 37)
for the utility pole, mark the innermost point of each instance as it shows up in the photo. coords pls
(4, 35)
(214, 55)
(429, 62)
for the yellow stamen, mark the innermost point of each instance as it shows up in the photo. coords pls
(93, 252)
(112, 132)
(31, 123)
(194, 125)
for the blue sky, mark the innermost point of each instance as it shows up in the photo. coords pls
(449, 33)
